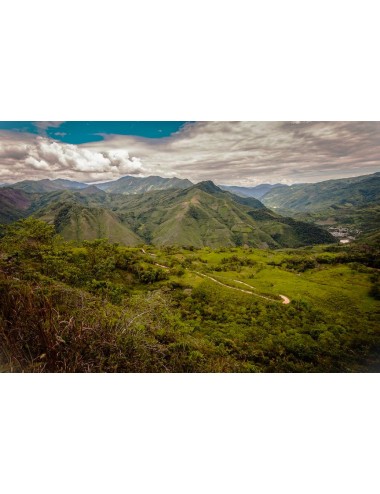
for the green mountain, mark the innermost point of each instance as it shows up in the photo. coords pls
(69, 184)
(46, 185)
(200, 215)
(257, 191)
(140, 185)
(366, 219)
(352, 203)
(77, 222)
(346, 192)
(204, 215)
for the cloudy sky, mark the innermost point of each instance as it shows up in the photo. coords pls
(236, 153)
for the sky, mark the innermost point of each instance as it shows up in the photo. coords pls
(234, 153)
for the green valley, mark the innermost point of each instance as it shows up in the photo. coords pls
(162, 275)
(97, 306)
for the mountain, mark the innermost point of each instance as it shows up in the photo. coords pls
(77, 222)
(140, 185)
(346, 192)
(90, 196)
(91, 190)
(257, 192)
(204, 215)
(69, 184)
(13, 204)
(352, 203)
(363, 219)
(46, 185)
(199, 215)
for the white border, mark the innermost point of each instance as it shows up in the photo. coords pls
(274, 60)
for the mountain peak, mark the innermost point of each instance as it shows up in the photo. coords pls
(208, 186)
(92, 189)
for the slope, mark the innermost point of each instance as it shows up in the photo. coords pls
(204, 215)
(257, 191)
(13, 204)
(47, 185)
(77, 222)
(348, 192)
(139, 185)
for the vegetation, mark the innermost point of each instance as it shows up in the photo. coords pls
(356, 191)
(365, 218)
(96, 306)
(199, 215)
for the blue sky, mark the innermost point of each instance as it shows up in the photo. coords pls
(81, 132)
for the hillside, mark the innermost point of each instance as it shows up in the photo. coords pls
(198, 216)
(347, 192)
(46, 185)
(101, 307)
(140, 185)
(257, 191)
(365, 218)
(13, 204)
(69, 184)
(76, 222)
(204, 215)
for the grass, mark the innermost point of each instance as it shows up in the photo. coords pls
(329, 286)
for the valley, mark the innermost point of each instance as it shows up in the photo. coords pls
(171, 276)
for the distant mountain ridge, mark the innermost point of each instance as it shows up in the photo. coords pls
(355, 191)
(124, 185)
(199, 215)
(139, 185)
(257, 191)
(165, 211)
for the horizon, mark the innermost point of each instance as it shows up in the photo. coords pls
(242, 154)
(194, 183)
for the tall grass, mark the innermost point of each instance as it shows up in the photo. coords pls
(55, 328)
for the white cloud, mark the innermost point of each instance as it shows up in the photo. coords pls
(41, 157)
(245, 153)
(249, 153)
(42, 126)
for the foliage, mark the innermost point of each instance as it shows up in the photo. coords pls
(102, 307)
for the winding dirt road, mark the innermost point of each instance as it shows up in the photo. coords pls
(285, 300)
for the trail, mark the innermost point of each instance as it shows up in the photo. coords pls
(246, 284)
(155, 263)
(148, 253)
(285, 299)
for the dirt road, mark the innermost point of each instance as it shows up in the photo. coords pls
(285, 300)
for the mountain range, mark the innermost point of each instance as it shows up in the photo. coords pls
(356, 191)
(258, 191)
(165, 211)
(168, 212)
(140, 185)
(350, 202)
(124, 185)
